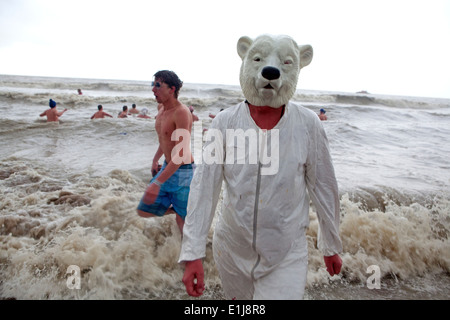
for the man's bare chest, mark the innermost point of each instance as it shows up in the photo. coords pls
(165, 125)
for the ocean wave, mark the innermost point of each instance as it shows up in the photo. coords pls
(400, 102)
(73, 84)
(140, 91)
(48, 225)
(71, 100)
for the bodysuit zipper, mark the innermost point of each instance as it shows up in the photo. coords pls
(258, 186)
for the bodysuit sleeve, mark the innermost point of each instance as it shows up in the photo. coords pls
(204, 194)
(323, 190)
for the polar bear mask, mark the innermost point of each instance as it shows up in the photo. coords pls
(270, 68)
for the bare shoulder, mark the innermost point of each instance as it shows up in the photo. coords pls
(182, 115)
(184, 110)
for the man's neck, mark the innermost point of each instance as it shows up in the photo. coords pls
(266, 117)
(170, 104)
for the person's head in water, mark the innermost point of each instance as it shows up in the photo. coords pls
(171, 79)
(100, 107)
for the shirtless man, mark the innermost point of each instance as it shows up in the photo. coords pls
(168, 190)
(322, 115)
(100, 113)
(52, 114)
(133, 110)
(124, 112)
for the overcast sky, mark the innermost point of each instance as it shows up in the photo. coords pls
(384, 47)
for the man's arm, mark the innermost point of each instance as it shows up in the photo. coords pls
(204, 195)
(323, 190)
(203, 198)
(155, 163)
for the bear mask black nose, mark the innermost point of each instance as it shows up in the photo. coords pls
(270, 73)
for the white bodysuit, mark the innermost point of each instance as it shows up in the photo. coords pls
(268, 178)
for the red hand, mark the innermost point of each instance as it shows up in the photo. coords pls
(334, 264)
(192, 272)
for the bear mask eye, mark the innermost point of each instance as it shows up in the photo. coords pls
(257, 59)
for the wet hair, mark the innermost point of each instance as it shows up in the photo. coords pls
(100, 107)
(171, 79)
(124, 108)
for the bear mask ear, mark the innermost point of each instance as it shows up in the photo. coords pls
(306, 55)
(243, 45)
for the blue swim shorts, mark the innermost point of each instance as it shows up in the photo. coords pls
(175, 192)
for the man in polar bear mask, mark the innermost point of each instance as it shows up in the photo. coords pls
(259, 244)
